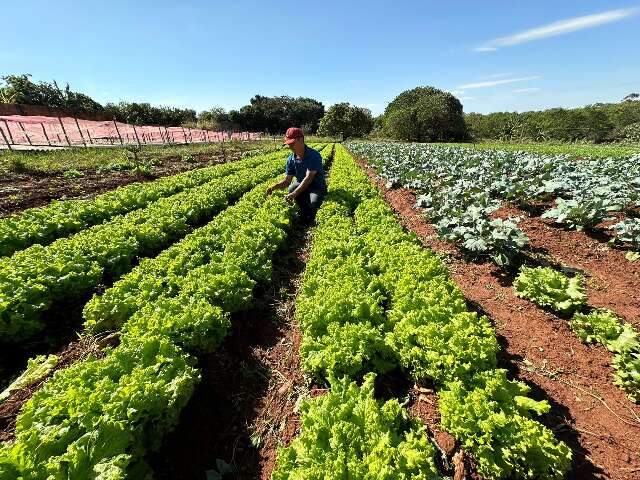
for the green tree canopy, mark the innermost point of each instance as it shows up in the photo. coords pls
(346, 120)
(425, 114)
(276, 114)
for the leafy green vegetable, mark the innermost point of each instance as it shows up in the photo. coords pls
(491, 417)
(372, 298)
(33, 280)
(550, 288)
(43, 225)
(348, 434)
(37, 368)
(603, 327)
(599, 326)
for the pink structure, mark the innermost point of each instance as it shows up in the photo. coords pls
(68, 131)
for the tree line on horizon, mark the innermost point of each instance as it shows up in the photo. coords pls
(422, 114)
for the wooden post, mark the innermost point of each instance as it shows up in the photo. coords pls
(166, 135)
(64, 131)
(25, 133)
(115, 124)
(89, 135)
(5, 138)
(6, 125)
(161, 137)
(80, 131)
(184, 134)
(190, 135)
(45, 133)
(136, 134)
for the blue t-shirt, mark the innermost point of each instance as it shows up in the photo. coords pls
(312, 160)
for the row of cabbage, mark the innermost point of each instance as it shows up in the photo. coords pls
(374, 300)
(566, 296)
(462, 187)
(98, 418)
(62, 218)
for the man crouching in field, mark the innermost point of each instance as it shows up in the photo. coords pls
(305, 164)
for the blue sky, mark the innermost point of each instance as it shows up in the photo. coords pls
(494, 55)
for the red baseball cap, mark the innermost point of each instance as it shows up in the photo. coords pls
(292, 134)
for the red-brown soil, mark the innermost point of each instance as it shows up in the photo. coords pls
(595, 418)
(22, 191)
(612, 281)
(246, 404)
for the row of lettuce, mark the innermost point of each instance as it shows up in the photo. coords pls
(39, 277)
(98, 418)
(460, 189)
(374, 300)
(59, 219)
(566, 296)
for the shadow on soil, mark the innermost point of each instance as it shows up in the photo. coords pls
(216, 424)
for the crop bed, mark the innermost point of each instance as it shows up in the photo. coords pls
(588, 411)
(415, 331)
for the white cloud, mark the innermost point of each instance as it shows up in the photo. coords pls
(526, 90)
(558, 28)
(496, 75)
(493, 83)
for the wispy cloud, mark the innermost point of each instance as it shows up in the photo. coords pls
(493, 83)
(558, 28)
(496, 75)
(526, 90)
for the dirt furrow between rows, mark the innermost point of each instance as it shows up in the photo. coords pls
(246, 404)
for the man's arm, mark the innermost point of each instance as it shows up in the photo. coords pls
(283, 184)
(306, 181)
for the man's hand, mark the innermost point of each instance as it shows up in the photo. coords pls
(290, 197)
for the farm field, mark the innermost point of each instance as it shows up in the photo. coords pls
(34, 178)
(452, 311)
(578, 150)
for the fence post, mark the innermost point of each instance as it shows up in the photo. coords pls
(6, 125)
(185, 135)
(64, 131)
(115, 124)
(5, 139)
(136, 134)
(25, 133)
(161, 137)
(89, 135)
(45, 133)
(80, 131)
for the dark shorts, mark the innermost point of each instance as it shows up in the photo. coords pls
(309, 201)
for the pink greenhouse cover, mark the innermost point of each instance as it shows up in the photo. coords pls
(69, 131)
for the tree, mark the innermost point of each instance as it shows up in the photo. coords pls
(631, 96)
(345, 120)
(425, 114)
(276, 114)
(20, 89)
